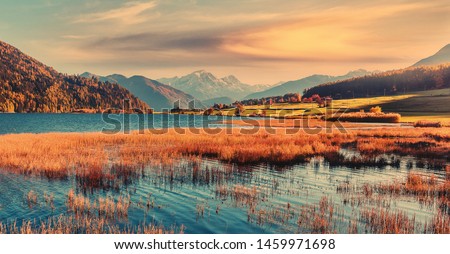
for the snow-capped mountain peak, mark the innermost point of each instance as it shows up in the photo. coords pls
(204, 85)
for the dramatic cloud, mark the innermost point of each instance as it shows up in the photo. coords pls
(160, 41)
(262, 41)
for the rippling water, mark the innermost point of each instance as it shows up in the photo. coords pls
(177, 194)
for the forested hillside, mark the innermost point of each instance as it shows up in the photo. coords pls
(27, 85)
(158, 95)
(387, 83)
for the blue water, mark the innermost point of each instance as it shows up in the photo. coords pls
(43, 123)
(177, 193)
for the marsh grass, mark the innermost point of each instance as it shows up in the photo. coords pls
(104, 207)
(49, 200)
(383, 221)
(428, 124)
(98, 161)
(318, 219)
(32, 198)
(371, 117)
(110, 161)
(86, 224)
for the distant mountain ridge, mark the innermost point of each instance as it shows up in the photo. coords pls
(159, 96)
(205, 86)
(219, 100)
(441, 57)
(297, 86)
(27, 85)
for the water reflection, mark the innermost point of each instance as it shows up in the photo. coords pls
(207, 196)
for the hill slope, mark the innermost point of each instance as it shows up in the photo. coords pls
(387, 83)
(27, 85)
(154, 93)
(205, 86)
(297, 86)
(219, 100)
(441, 57)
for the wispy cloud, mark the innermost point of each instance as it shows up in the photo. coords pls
(258, 39)
(74, 37)
(128, 14)
(205, 41)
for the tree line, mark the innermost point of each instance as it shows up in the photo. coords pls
(395, 82)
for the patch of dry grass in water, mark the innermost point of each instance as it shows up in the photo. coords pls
(105, 207)
(383, 221)
(426, 188)
(87, 217)
(99, 160)
(85, 224)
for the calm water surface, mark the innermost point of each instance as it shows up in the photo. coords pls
(42, 123)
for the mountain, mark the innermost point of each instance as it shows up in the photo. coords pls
(27, 85)
(219, 100)
(441, 57)
(154, 93)
(395, 82)
(297, 86)
(205, 86)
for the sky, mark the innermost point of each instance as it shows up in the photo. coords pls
(259, 41)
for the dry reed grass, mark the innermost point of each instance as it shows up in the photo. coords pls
(383, 221)
(31, 198)
(108, 161)
(370, 117)
(428, 124)
(318, 219)
(104, 207)
(86, 224)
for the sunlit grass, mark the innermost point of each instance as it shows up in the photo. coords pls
(106, 161)
(97, 160)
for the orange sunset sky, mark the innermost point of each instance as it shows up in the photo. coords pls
(259, 41)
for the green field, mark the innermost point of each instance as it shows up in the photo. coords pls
(277, 110)
(424, 105)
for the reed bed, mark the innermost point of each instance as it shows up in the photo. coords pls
(383, 221)
(58, 154)
(318, 219)
(31, 198)
(109, 161)
(367, 117)
(425, 188)
(86, 224)
(428, 124)
(440, 224)
(104, 207)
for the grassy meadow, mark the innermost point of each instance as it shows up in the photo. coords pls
(413, 107)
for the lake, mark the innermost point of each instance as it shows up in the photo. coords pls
(197, 200)
(210, 196)
(42, 123)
